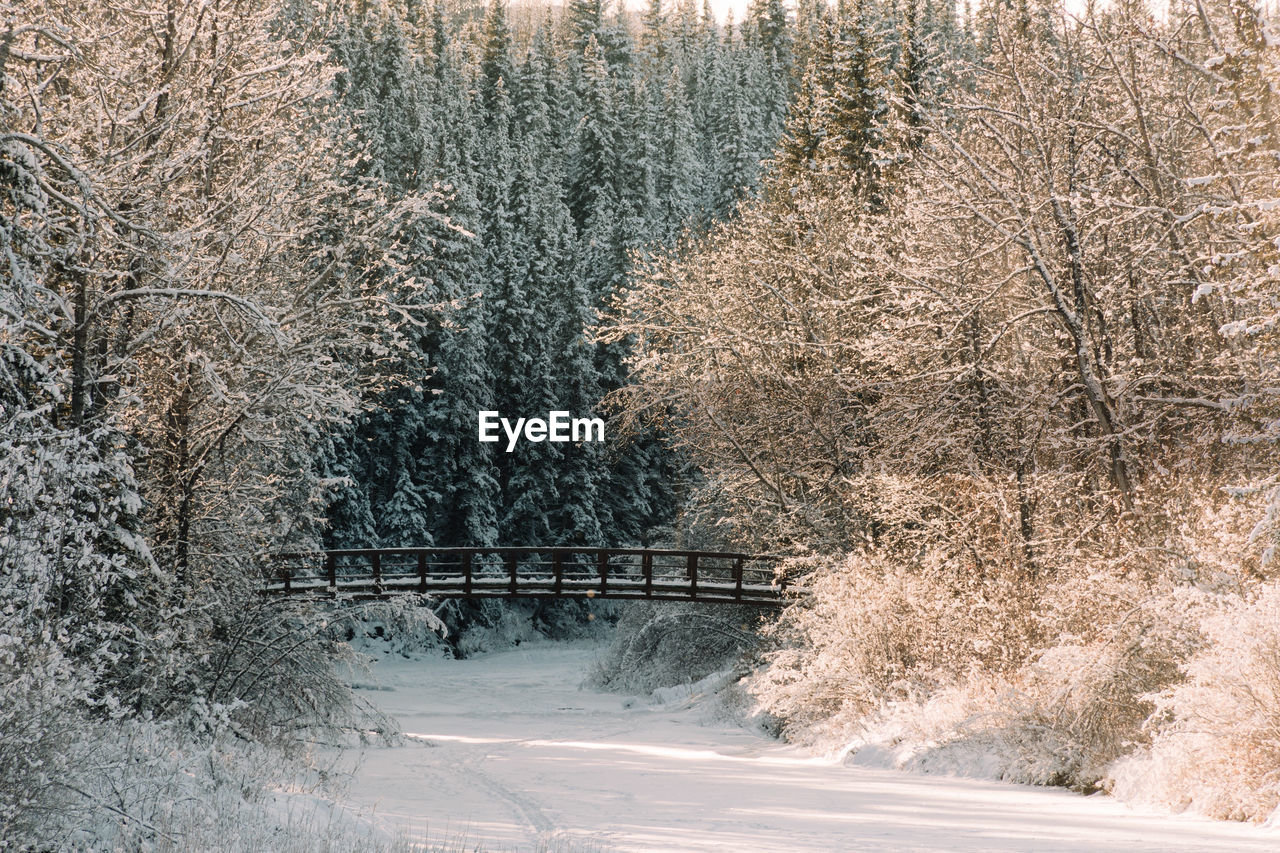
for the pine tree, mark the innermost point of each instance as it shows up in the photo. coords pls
(496, 67)
(742, 132)
(439, 40)
(594, 177)
(532, 378)
(679, 171)
(767, 25)
(653, 38)
(858, 90)
(377, 465)
(842, 110)
(585, 19)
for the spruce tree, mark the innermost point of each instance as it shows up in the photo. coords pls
(585, 19)
(595, 171)
(495, 67)
(679, 172)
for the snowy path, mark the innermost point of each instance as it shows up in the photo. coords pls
(508, 752)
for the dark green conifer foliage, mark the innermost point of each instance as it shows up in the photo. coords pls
(585, 20)
(382, 498)
(769, 29)
(653, 37)
(679, 180)
(840, 122)
(496, 66)
(459, 467)
(563, 150)
(595, 176)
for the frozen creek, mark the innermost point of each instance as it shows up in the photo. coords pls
(507, 753)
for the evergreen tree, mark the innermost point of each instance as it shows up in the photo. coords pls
(585, 19)
(460, 469)
(495, 67)
(555, 173)
(679, 172)
(838, 127)
(594, 179)
(768, 28)
(653, 38)
(533, 377)
(375, 467)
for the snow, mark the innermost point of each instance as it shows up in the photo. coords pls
(508, 752)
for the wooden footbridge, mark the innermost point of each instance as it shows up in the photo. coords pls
(610, 573)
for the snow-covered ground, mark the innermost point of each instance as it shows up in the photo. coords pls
(508, 752)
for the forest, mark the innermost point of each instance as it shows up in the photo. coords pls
(972, 310)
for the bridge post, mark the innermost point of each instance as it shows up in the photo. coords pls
(513, 571)
(602, 562)
(557, 569)
(288, 580)
(377, 572)
(646, 569)
(466, 573)
(422, 571)
(737, 578)
(693, 576)
(331, 569)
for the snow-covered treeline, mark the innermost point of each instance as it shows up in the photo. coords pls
(997, 346)
(564, 142)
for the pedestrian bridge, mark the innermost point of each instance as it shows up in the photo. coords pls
(650, 574)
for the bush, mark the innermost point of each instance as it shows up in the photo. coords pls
(189, 784)
(663, 644)
(1216, 745)
(1062, 719)
(235, 775)
(37, 721)
(871, 631)
(917, 668)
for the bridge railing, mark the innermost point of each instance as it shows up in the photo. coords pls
(646, 573)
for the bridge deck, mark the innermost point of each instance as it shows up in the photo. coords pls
(613, 573)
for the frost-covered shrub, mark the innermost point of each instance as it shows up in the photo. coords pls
(190, 784)
(873, 630)
(278, 670)
(1043, 685)
(1060, 720)
(1080, 707)
(1216, 746)
(73, 568)
(77, 595)
(664, 644)
(405, 625)
(107, 681)
(37, 721)
(484, 625)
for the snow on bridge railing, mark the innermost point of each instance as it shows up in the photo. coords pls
(655, 574)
